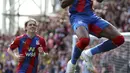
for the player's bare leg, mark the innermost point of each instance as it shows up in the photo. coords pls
(110, 32)
(115, 39)
(83, 41)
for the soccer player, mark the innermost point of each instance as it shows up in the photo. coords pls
(84, 22)
(29, 46)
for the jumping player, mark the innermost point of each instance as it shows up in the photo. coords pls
(84, 22)
(29, 45)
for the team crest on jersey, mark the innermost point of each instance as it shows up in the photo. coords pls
(37, 42)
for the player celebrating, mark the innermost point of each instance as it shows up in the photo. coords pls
(29, 46)
(85, 21)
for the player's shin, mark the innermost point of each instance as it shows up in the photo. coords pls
(80, 45)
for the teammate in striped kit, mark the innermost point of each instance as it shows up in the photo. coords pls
(84, 22)
(29, 46)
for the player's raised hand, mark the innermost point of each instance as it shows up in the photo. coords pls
(40, 49)
(19, 57)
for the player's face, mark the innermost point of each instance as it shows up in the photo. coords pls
(31, 26)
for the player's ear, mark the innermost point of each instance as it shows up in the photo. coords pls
(25, 25)
(25, 29)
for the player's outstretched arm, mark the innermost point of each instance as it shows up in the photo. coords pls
(99, 1)
(66, 3)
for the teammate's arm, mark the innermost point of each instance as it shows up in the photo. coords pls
(99, 1)
(66, 3)
(15, 55)
(12, 50)
(43, 48)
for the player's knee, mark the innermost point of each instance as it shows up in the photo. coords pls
(119, 40)
(82, 43)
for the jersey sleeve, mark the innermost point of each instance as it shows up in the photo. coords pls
(14, 44)
(43, 44)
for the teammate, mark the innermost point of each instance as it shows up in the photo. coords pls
(84, 22)
(29, 45)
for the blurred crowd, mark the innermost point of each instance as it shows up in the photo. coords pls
(115, 11)
(58, 34)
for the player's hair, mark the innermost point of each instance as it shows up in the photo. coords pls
(29, 21)
(26, 23)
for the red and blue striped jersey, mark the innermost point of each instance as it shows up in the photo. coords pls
(82, 7)
(29, 48)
